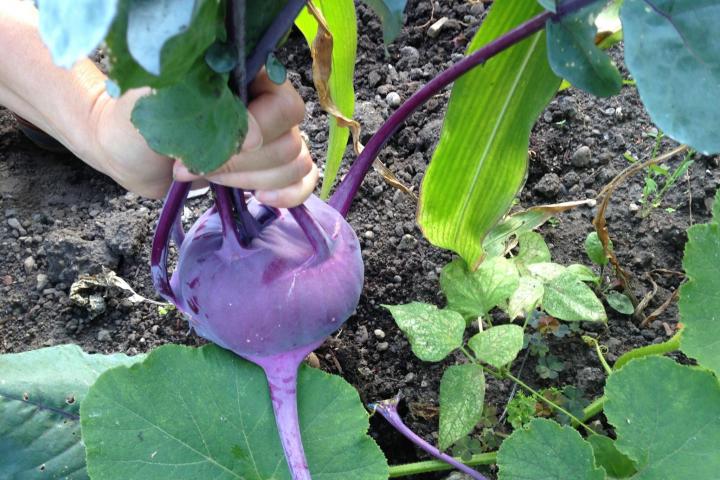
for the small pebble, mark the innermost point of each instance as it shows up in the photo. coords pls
(382, 346)
(379, 334)
(15, 225)
(369, 234)
(29, 264)
(104, 336)
(633, 207)
(582, 156)
(42, 282)
(437, 27)
(409, 377)
(393, 99)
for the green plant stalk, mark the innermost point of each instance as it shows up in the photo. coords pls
(427, 466)
(598, 349)
(506, 374)
(593, 409)
(671, 345)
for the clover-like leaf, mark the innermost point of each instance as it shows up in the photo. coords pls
(620, 302)
(499, 345)
(544, 450)
(474, 294)
(204, 413)
(40, 396)
(432, 333)
(462, 393)
(666, 417)
(568, 298)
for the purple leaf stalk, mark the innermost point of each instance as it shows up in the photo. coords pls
(388, 409)
(271, 285)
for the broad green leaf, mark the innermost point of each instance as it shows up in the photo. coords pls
(533, 249)
(176, 55)
(573, 54)
(462, 393)
(526, 297)
(498, 345)
(680, 88)
(699, 299)
(432, 333)
(544, 450)
(340, 16)
(568, 298)
(620, 302)
(481, 160)
(594, 249)
(474, 294)
(40, 396)
(205, 413)
(391, 14)
(221, 57)
(198, 121)
(72, 29)
(153, 22)
(546, 271)
(716, 207)
(609, 457)
(583, 272)
(666, 417)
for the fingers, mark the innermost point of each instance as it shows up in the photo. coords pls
(276, 108)
(293, 195)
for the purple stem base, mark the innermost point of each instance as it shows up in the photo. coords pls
(388, 409)
(281, 371)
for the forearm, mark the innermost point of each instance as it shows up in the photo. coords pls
(61, 102)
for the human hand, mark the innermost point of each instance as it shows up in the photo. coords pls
(274, 160)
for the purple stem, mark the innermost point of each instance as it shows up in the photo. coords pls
(343, 196)
(281, 371)
(388, 409)
(313, 232)
(232, 230)
(251, 225)
(177, 233)
(269, 41)
(161, 241)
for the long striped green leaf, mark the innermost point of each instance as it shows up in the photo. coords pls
(481, 160)
(340, 16)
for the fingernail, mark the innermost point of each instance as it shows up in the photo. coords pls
(270, 196)
(253, 139)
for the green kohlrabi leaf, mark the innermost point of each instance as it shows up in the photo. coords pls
(620, 303)
(432, 333)
(73, 28)
(462, 393)
(609, 457)
(699, 299)
(498, 345)
(481, 160)
(550, 5)
(679, 88)
(40, 396)
(573, 54)
(583, 272)
(198, 121)
(544, 450)
(474, 294)
(666, 417)
(526, 297)
(204, 413)
(166, 54)
(546, 271)
(568, 298)
(151, 23)
(391, 14)
(340, 16)
(533, 249)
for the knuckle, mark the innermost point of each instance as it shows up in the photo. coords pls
(291, 145)
(293, 105)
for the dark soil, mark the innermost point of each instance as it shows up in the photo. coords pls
(73, 220)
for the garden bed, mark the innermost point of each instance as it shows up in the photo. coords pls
(59, 217)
